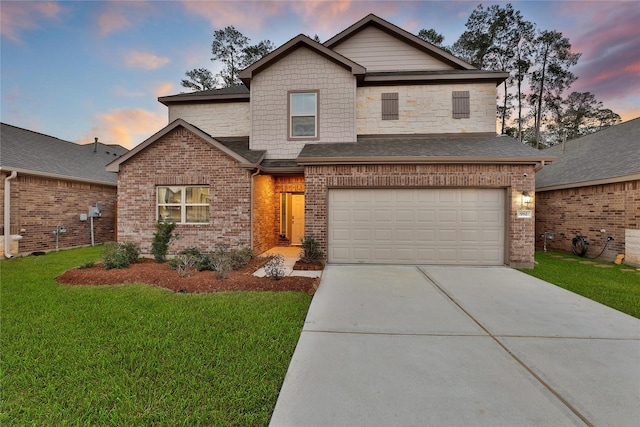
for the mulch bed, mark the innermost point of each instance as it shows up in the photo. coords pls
(150, 272)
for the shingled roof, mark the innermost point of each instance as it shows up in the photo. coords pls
(35, 153)
(611, 155)
(425, 149)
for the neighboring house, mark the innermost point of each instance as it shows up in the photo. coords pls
(48, 182)
(593, 185)
(380, 145)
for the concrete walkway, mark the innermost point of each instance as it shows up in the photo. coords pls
(290, 254)
(442, 346)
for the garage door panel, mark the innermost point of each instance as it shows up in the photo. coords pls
(417, 226)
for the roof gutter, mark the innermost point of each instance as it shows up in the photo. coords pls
(7, 214)
(418, 160)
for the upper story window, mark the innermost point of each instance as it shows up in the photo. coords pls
(183, 204)
(303, 114)
(390, 106)
(461, 109)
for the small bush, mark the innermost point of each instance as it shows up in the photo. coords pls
(311, 251)
(240, 257)
(115, 257)
(221, 261)
(161, 240)
(185, 264)
(132, 250)
(275, 267)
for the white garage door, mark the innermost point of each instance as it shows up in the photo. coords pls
(462, 226)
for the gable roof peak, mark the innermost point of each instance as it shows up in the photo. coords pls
(298, 41)
(372, 20)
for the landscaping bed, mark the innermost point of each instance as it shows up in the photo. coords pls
(150, 272)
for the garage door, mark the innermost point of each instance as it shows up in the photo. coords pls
(417, 226)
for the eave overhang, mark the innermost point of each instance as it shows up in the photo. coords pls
(605, 181)
(203, 99)
(309, 161)
(56, 176)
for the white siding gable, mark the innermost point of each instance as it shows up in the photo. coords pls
(378, 51)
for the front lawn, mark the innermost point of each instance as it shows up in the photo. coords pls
(136, 354)
(610, 286)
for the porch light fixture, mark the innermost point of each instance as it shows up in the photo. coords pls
(526, 198)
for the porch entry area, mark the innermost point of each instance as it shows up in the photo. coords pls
(278, 211)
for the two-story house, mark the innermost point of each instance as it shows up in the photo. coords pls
(380, 145)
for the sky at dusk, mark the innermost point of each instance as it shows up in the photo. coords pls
(83, 69)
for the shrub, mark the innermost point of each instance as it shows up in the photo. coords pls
(184, 264)
(87, 265)
(240, 257)
(115, 256)
(221, 261)
(161, 240)
(311, 251)
(132, 250)
(275, 267)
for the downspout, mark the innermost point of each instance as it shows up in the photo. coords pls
(7, 214)
(253, 175)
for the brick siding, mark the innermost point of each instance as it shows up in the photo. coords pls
(584, 211)
(39, 205)
(182, 158)
(318, 179)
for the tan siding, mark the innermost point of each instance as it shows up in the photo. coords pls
(301, 70)
(224, 119)
(378, 51)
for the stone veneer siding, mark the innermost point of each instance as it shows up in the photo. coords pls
(217, 119)
(39, 205)
(319, 179)
(584, 211)
(426, 109)
(182, 158)
(301, 70)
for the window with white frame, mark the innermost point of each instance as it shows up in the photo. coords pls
(303, 114)
(183, 204)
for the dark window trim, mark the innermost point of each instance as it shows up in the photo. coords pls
(303, 138)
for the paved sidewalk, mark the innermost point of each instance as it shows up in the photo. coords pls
(442, 346)
(290, 254)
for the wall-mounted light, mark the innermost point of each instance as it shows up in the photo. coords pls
(526, 198)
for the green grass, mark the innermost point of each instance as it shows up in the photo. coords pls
(610, 286)
(135, 354)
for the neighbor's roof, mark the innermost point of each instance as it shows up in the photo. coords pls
(34, 153)
(238, 93)
(610, 155)
(446, 148)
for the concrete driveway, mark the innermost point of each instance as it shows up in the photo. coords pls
(455, 346)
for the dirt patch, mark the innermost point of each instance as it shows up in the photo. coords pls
(308, 266)
(150, 272)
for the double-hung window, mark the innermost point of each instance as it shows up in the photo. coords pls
(303, 114)
(183, 204)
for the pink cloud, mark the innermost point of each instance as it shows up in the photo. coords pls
(162, 89)
(224, 13)
(126, 127)
(118, 15)
(17, 17)
(145, 60)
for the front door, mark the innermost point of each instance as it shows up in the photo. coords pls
(297, 218)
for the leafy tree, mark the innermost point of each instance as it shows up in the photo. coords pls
(553, 56)
(232, 49)
(433, 37)
(581, 114)
(496, 39)
(199, 79)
